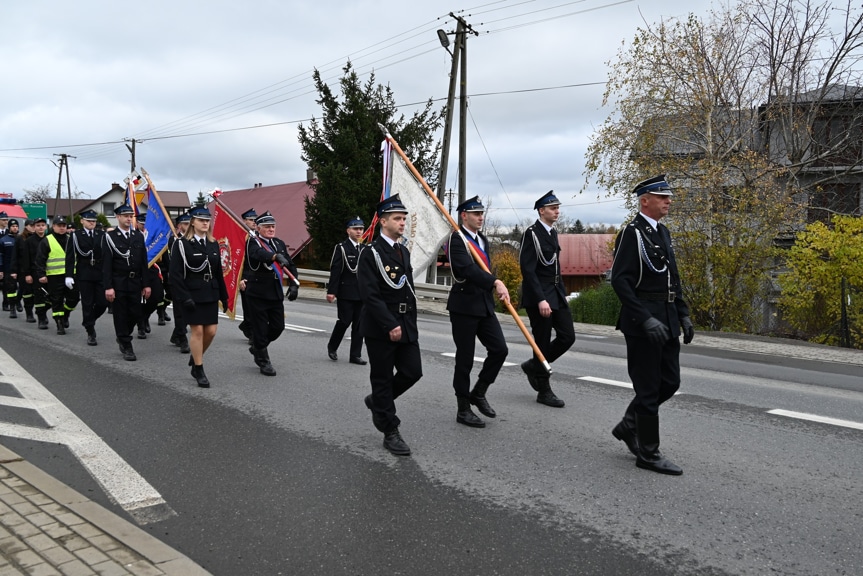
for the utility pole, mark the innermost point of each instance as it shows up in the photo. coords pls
(64, 162)
(131, 151)
(459, 57)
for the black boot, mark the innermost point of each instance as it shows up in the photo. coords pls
(127, 351)
(66, 320)
(546, 395)
(466, 416)
(160, 314)
(625, 432)
(200, 377)
(147, 325)
(43, 319)
(477, 398)
(29, 313)
(61, 329)
(648, 456)
(532, 369)
(19, 306)
(262, 359)
(91, 336)
(12, 312)
(394, 442)
(142, 334)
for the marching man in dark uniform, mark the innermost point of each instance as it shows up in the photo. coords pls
(178, 334)
(84, 268)
(343, 289)
(9, 268)
(248, 217)
(389, 322)
(34, 294)
(472, 315)
(124, 266)
(50, 267)
(645, 277)
(265, 257)
(544, 297)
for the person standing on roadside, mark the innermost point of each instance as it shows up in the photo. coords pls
(389, 322)
(471, 314)
(343, 290)
(645, 277)
(544, 297)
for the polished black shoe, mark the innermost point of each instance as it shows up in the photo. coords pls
(142, 335)
(477, 398)
(375, 420)
(626, 435)
(333, 355)
(200, 377)
(175, 340)
(529, 371)
(466, 416)
(548, 398)
(165, 316)
(395, 444)
(30, 318)
(184, 347)
(128, 353)
(19, 307)
(61, 330)
(91, 337)
(12, 313)
(43, 323)
(160, 314)
(191, 360)
(649, 457)
(357, 360)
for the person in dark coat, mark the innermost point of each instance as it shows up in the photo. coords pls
(199, 285)
(645, 277)
(9, 269)
(26, 252)
(84, 267)
(178, 334)
(472, 315)
(155, 279)
(266, 258)
(249, 217)
(124, 267)
(343, 289)
(544, 297)
(389, 322)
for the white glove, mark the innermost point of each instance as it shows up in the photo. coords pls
(70, 283)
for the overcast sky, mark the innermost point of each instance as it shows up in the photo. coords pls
(210, 74)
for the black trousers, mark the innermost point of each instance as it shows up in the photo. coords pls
(465, 331)
(63, 300)
(349, 317)
(179, 330)
(93, 303)
(561, 322)
(655, 373)
(384, 357)
(267, 318)
(127, 313)
(25, 291)
(10, 290)
(157, 295)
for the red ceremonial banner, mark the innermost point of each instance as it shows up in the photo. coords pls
(231, 236)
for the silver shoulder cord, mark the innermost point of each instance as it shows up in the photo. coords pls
(78, 248)
(345, 261)
(617, 252)
(113, 248)
(539, 255)
(186, 266)
(456, 280)
(402, 281)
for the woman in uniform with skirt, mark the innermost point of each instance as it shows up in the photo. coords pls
(199, 286)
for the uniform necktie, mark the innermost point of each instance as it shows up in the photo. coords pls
(398, 249)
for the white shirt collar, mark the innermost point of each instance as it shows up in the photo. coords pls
(546, 226)
(650, 221)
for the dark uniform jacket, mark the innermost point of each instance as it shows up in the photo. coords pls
(207, 284)
(84, 256)
(386, 307)
(44, 248)
(646, 281)
(261, 280)
(471, 290)
(540, 280)
(8, 254)
(28, 249)
(343, 275)
(124, 261)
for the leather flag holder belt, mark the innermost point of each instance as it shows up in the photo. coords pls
(657, 296)
(401, 307)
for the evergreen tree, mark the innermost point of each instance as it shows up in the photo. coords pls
(343, 148)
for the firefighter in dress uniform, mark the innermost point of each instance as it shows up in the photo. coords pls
(248, 217)
(178, 334)
(9, 269)
(84, 269)
(50, 268)
(342, 288)
(653, 313)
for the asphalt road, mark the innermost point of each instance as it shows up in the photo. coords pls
(287, 475)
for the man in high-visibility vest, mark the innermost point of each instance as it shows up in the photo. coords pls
(51, 272)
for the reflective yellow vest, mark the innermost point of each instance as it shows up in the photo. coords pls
(56, 264)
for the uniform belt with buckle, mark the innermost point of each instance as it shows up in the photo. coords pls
(132, 274)
(657, 296)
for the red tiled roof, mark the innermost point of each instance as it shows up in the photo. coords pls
(585, 254)
(286, 202)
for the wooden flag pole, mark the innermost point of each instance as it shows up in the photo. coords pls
(473, 252)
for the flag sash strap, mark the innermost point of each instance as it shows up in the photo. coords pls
(277, 268)
(482, 254)
(473, 251)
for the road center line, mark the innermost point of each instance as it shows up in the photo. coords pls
(816, 418)
(475, 359)
(606, 381)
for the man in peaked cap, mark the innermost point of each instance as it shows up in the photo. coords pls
(472, 315)
(249, 217)
(544, 297)
(178, 334)
(84, 269)
(645, 277)
(342, 288)
(50, 267)
(389, 321)
(266, 259)
(4, 222)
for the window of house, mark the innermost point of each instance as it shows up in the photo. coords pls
(107, 209)
(834, 199)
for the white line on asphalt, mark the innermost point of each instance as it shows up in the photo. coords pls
(293, 327)
(816, 418)
(475, 359)
(118, 479)
(606, 381)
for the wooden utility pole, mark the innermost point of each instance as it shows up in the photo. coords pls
(132, 152)
(64, 162)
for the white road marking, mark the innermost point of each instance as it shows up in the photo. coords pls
(292, 327)
(816, 418)
(606, 381)
(475, 359)
(118, 479)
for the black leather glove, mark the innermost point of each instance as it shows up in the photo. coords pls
(657, 332)
(189, 304)
(224, 305)
(293, 292)
(280, 258)
(688, 329)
